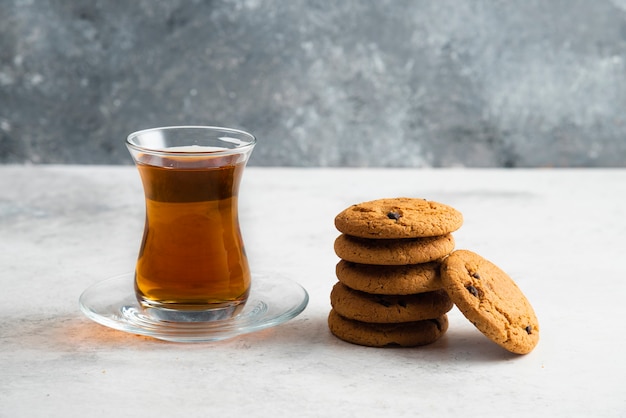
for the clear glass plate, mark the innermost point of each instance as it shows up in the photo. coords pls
(272, 301)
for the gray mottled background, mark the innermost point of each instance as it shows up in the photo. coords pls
(534, 83)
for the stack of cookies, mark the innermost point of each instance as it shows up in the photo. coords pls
(399, 276)
(390, 290)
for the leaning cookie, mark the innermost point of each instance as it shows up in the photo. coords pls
(393, 251)
(491, 300)
(400, 217)
(380, 309)
(390, 280)
(406, 334)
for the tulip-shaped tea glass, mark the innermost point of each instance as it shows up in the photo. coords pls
(192, 282)
(192, 264)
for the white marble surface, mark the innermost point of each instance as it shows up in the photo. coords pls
(559, 234)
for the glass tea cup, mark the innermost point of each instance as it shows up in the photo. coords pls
(192, 264)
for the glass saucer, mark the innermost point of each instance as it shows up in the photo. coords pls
(272, 301)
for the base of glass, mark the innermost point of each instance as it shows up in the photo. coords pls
(272, 301)
(191, 313)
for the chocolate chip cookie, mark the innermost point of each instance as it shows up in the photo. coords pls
(390, 280)
(366, 307)
(400, 217)
(405, 334)
(393, 251)
(491, 300)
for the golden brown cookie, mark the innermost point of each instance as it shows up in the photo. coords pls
(491, 300)
(400, 217)
(406, 334)
(390, 280)
(380, 309)
(393, 251)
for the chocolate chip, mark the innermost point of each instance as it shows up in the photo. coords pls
(529, 329)
(476, 275)
(472, 290)
(437, 323)
(394, 215)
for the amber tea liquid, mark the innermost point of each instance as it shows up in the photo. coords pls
(192, 255)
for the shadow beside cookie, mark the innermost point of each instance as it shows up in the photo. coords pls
(470, 345)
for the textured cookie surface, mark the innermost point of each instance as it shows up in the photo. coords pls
(380, 309)
(390, 280)
(407, 334)
(393, 251)
(400, 217)
(491, 300)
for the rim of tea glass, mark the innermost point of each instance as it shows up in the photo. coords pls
(238, 149)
